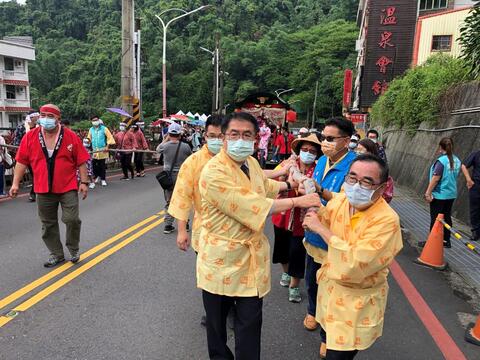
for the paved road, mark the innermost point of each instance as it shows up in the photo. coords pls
(139, 300)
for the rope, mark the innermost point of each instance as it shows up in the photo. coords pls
(98, 151)
(455, 233)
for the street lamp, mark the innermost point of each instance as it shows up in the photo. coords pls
(215, 62)
(279, 92)
(164, 56)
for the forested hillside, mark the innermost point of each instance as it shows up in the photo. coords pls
(266, 44)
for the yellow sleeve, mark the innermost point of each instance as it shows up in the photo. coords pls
(239, 203)
(374, 249)
(182, 199)
(89, 136)
(110, 139)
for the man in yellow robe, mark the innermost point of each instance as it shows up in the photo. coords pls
(186, 194)
(233, 263)
(363, 236)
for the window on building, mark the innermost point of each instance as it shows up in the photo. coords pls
(442, 42)
(14, 120)
(433, 4)
(10, 90)
(9, 64)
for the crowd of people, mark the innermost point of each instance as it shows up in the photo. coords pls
(340, 238)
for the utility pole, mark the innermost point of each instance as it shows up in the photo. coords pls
(220, 79)
(314, 105)
(137, 108)
(127, 83)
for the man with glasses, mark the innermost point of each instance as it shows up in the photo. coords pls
(233, 263)
(329, 174)
(363, 236)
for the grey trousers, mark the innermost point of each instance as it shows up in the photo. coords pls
(48, 213)
(168, 196)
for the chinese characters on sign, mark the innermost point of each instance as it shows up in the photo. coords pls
(388, 47)
(387, 18)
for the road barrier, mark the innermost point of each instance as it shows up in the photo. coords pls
(455, 233)
(432, 253)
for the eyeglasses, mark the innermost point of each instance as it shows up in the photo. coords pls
(364, 183)
(331, 138)
(247, 136)
(311, 151)
(214, 136)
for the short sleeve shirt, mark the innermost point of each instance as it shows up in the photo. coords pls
(61, 176)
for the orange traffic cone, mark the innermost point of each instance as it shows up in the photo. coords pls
(472, 334)
(432, 254)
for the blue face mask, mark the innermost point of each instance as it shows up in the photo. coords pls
(240, 150)
(47, 123)
(358, 197)
(214, 145)
(307, 158)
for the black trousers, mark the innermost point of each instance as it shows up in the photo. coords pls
(126, 162)
(99, 168)
(139, 162)
(442, 207)
(336, 354)
(474, 196)
(247, 328)
(289, 249)
(32, 192)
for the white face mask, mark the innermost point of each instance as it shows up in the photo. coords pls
(307, 158)
(358, 197)
(95, 123)
(122, 128)
(374, 140)
(240, 150)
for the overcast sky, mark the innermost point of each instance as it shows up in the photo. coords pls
(18, 1)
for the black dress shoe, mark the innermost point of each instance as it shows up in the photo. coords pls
(32, 197)
(53, 261)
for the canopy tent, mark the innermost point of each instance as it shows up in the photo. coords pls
(180, 117)
(203, 117)
(189, 114)
(180, 113)
(268, 106)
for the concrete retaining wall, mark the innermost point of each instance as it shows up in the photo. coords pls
(411, 155)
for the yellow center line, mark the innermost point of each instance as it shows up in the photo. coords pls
(42, 280)
(70, 276)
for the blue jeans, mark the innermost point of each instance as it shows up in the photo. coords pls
(311, 283)
(2, 178)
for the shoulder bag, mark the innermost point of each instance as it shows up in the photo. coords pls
(164, 178)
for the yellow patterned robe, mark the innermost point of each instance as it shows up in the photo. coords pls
(234, 254)
(352, 282)
(187, 194)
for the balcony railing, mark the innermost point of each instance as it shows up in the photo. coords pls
(15, 102)
(14, 75)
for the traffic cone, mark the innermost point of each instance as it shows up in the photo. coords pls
(472, 335)
(432, 254)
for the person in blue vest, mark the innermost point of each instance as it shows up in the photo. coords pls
(100, 138)
(329, 174)
(442, 188)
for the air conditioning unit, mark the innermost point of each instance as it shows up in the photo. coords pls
(20, 89)
(18, 63)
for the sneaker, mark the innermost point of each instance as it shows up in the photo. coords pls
(32, 197)
(168, 229)
(138, 174)
(447, 244)
(285, 280)
(294, 295)
(124, 178)
(53, 261)
(91, 186)
(97, 179)
(104, 183)
(75, 257)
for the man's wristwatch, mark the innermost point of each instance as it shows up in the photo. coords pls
(84, 183)
(289, 186)
(320, 192)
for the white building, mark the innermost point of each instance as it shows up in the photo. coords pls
(15, 53)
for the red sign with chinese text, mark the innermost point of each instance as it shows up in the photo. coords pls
(347, 88)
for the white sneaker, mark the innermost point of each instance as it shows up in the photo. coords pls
(91, 186)
(104, 183)
(97, 180)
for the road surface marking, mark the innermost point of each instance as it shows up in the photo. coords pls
(70, 276)
(108, 178)
(444, 342)
(42, 280)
